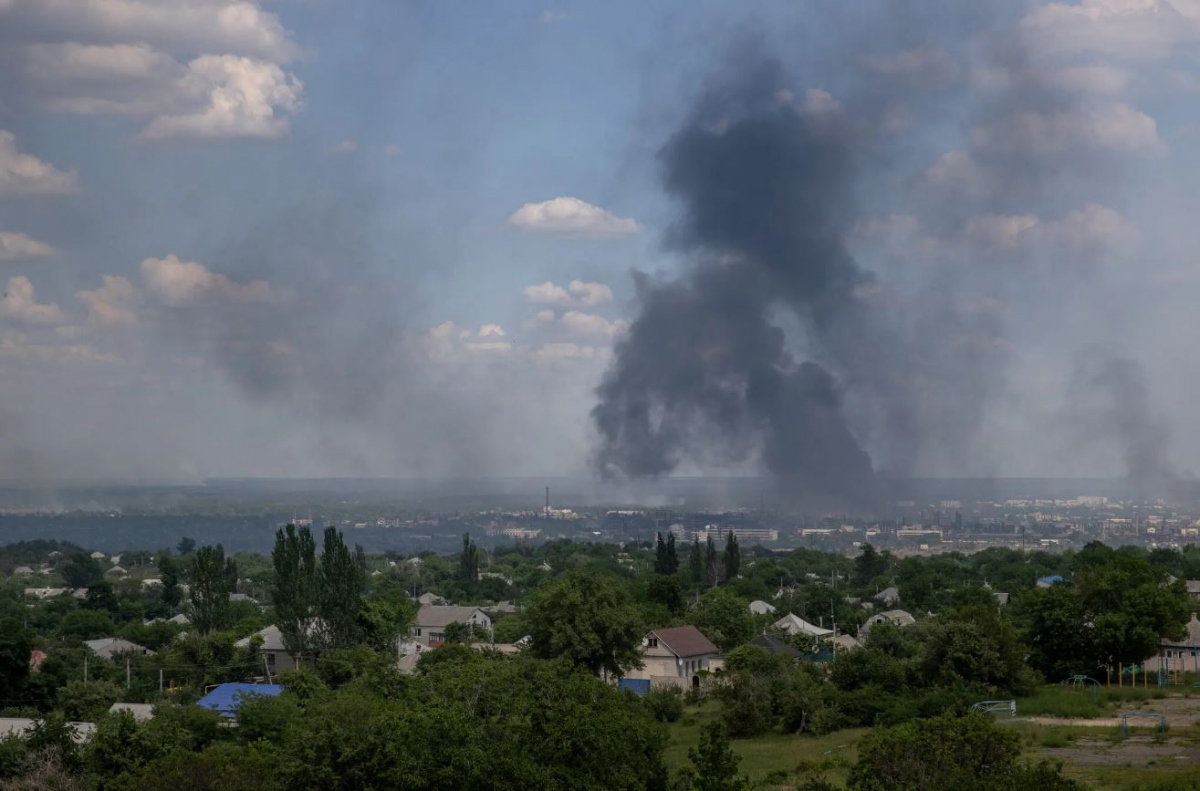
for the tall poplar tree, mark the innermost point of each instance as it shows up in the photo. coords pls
(295, 592)
(339, 602)
(733, 556)
(712, 565)
(214, 577)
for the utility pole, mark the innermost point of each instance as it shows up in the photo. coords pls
(127, 682)
(85, 673)
(160, 680)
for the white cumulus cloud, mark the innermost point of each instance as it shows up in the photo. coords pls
(24, 175)
(577, 292)
(179, 283)
(20, 304)
(571, 217)
(113, 304)
(591, 324)
(1135, 29)
(235, 97)
(233, 26)
(1117, 128)
(18, 246)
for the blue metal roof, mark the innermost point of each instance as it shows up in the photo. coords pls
(1052, 579)
(225, 698)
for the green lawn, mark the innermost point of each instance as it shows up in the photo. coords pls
(1095, 755)
(796, 756)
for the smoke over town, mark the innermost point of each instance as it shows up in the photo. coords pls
(774, 346)
(870, 240)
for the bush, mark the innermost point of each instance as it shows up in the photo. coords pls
(665, 703)
(747, 709)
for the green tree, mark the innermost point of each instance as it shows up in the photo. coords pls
(667, 592)
(1114, 612)
(81, 570)
(868, 565)
(87, 700)
(465, 633)
(586, 618)
(974, 645)
(186, 546)
(949, 753)
(712, 566)
(295, 591)
(724, 617)
(214, 578)
(341, 587)
(16, 643)
(733, 556)
(696, 563)
(661, 564)
(86, 624)
(672, 555)
(101, 596)
(714, 764)
(169, 571)
(468, 563)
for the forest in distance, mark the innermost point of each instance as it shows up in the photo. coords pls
(475, 714)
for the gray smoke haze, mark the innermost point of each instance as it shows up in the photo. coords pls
(775, 346)
(1111, 405)
(764, 189)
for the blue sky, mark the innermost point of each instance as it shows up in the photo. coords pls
(309, 237)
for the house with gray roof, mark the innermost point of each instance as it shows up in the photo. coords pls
(112, 647)
(275, 655)
(429, 628)
(676, 657)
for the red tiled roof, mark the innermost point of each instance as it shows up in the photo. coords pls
(685, 641)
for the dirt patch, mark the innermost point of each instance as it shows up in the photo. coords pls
(1135, 751)
(1103, 722)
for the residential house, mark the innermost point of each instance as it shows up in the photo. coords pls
(676, 657)
(98, 555)
(1193, 589)
(1053, 579)
(888, 596)
(46, 593)
(112, 647)
(793, 625)
(429, 629)
(226, 698)
(81, 732)
(275, 655)
(426, 599)
(894, 617)
(23, 571)
(141, 712)
(1179, 655)
(775, 646)
(844, 642)
(117, 571)
(760, 607)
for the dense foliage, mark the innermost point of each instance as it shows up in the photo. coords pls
(549, 715)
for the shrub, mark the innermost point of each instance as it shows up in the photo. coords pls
(665, 703)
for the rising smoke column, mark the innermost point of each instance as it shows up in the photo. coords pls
(764, 187)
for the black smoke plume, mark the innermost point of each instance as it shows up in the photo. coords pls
(764, 186)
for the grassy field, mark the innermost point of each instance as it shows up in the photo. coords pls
(1084, 703)
(1094, 754)
(773, 756)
